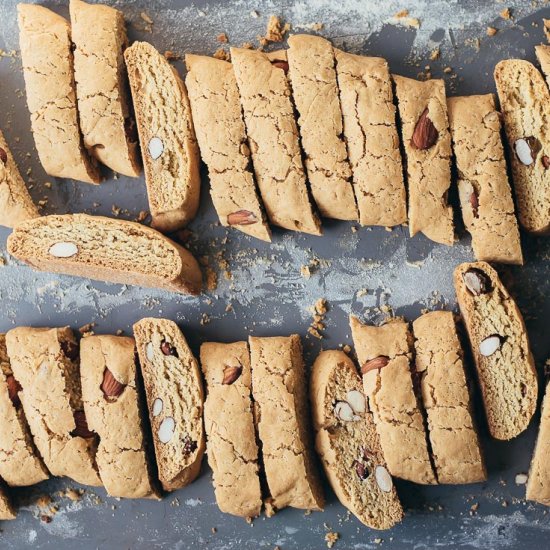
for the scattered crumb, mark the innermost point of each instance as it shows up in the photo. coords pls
(319, 311)
(521, 479)
(214, 530)
(377, 541)
(305, 271)
(222, 37)
(43, 501)
(269, 509)
(87, 330)
(474, 508)
(211, 278)
(275, 31)
(48, 185)
(506, 13)
(254, 14)
(175, 502)
(145, 16)
(119, 332)
(2, 260)
(402, 13)
(116, 210)
(222, 54)
(247, 45)
(346, 348)
(491, 31)
(331, 538)
(171, 56)
(435, 54)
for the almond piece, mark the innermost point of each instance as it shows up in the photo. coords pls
(189, 446)
(13, 390)
(63, 250)
(474, 202)
(546, 161)
(281, 64)
(383, 479)
(476, 281)
(166, 430)
(356, 401)
(156, 147)
(158, 405)
(81, 429)
(527, 149)
(344, 412)
(425, 134)
(242, 217)
(490, 345)
(3, 156)
(230, 374)
(168, 349)
(376, 363)
(149, 351)
(361, 470)
(110, 386)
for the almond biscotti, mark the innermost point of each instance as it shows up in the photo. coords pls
(229, 422)
(483, 188)
(45, 363)
(6, 509)
(175, 399)
(427, 145)
(106, 121)
(525, 103)
(47, 58)
(273, 137)
(500, 346)
(20, 463)
(385, 356)
(368, 111)
(110, 392)
(456, 451)
(543, 56)
(279, 388)
(347, 442)
(105, 249)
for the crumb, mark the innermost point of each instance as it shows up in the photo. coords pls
(205, 319)
(521, 479)
(222, 37)
(447, 70)
(247, 45)
(412, 22)
(43, 501)
(506, 13)
(119, 332)
(48, 185)
(228, 308)
(491, 31)
(474, 508)
(171, 56)
(346, 349)
(331, 538)
(321, 306)
(377, 541)
(146, 18)
(211, 279)
(436, 54)
(249, 520)
(305, 271)
(87, 330)
(222, 54)
(175, 503)
(2, 260)
(46, 519)
(275, 31)
(402, 13)
(254, 14)
(270, 510)
(142, 216)
(74, 494)
(214, 530)
(116, 210)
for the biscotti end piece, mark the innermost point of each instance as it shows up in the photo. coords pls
(543, 56)
(7, 511)
(45, 41)
(105, 249)
(500, 346)
(175, 398)
(229, 422)
(106, 120)
(348, 444)
(427, 145)
(456, 451)
(110, 391)
(45, 363)
(167, 137)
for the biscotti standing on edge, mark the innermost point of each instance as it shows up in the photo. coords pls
(175, 399)
(427, 145)
(229, 422)
(455, 446)
(485, 194)
(543, 56)
(105, 249)
(110, 392)
(273, 138)
(500, 346)
(167, 137)
(16, 204)
(45, 41)
(385, 356)
(45, 363)
(525, 104)
(106, 120)
(20, 463)
(347, 442)
(315, 92)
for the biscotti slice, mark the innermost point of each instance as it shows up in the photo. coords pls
(347, 442)
(228, 417)
(543, 55)
(16, 204)
(274, 142)
(47, 58)
(106, 121)
(456, 451)
(315, 92)
(385, 355)
(110, 391)
(105, 249)
(6, 509)
(525, 104)
(168, 143)
(45, 363)
(427, 145)
(483, 187)
(279, 389)
(366, 96)
(500, 346)
(20, 463)
(221, 135)
(175, 398)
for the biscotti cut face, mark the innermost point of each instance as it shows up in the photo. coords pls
(45, 41)
(500, 346)
(366, 97)
(385, 356)
(45, 363)
(543, 56)
(168, 143)
(347, 442)
(427, 145)
(221, 135)
(456, 451)
(20, 463)
(525, 103)
(110, 391)
(175, 398)
(16, 204)
(105, 249)
(483, 188)
(6, 509)
(229, 422)
(273, 138)
(279, 389)
(106, 121)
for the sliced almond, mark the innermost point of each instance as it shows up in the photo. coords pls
(377, 363)
(476, 281)
(242, 217)
(425, 134)
(156, 147)
(231, 374)
(490, 345)
(158, 405)
(110, 386)
(63, 250)
(166, 430)
(344, 412)
(357, 401)
(527, 149)
(150, 351)
(383, 479)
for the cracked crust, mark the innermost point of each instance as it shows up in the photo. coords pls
(491, 220)
(429, 170)
(221, 135)
(543, 55)
(456, 451)
(45, 41)
(395, 406)
(228, 417)
(102, 87)
(7, 511)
